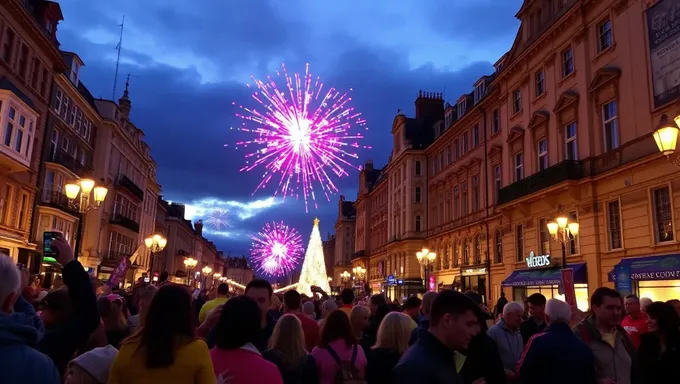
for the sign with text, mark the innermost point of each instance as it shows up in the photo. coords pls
(663, 33)
(534, 261)
(568, 286)
(624, 282)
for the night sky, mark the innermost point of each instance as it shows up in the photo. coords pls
(189, 64)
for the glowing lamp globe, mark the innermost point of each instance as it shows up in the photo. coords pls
(71, 190)
(86, 185)
(100, 194)
(148, 242)
(666, 135)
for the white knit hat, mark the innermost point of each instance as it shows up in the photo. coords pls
(97, 362)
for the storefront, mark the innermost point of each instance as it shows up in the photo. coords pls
(474, 280)
(448, 281)
(544, 277)
(656, 277)
(400, 289)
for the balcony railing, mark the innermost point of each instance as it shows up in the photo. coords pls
(65, 159)
(558, 173)
(127, 183)
(124, 221)
(57, 200)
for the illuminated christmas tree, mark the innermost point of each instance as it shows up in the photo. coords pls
(313, 267)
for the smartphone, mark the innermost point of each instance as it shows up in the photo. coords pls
(48, 238)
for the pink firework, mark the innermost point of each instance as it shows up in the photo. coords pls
(276, 249)
(305, 136)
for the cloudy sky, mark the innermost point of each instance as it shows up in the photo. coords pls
(190, 62)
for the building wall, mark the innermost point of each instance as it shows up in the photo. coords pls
(345, 231)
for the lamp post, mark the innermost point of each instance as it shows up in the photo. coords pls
(666, 137)
(190, 263)
(345, 277)
(560, 229)
(360, 272)
(426, 258)
(206, 272)
(155, 243)
(84, 195)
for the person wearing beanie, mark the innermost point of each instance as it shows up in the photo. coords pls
(91, 367)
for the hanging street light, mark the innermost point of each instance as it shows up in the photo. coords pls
(666, 137)
(84, 195)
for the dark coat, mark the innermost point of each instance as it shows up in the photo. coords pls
(427, 361)
(381, 361)
(657, 367)
(483, 360)
(423, 326)
(305, 373)
(557, 356)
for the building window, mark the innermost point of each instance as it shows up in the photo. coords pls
(434, 166)
(567, 62)
(497, 181)
(611, 126)
(663, 218)
(464, 200)
(475, 193)
(540, 83)
(418, 223)
(614, 224)
(23, 61)
(571, 143)
(417, 194)
(496, 121)
(604, 35)
(516, 100)
(23, 211)
(57, 101)
(499, 247)
(519, 243)
(456, 202)
(475, 136)
(465, 143)
(8, 47)
(18, 133)
(6, 207)
(448, 155)
(479, 92)
(456, 254)
(542, 150)
(519, 166)
(466, 252)
(418, 168)
(543, 237)
(461, 108)
(573, 240)
(441, 160)
(478, 249)
(456, 153)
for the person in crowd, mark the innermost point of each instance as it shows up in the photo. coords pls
(92, 367)
(199, 302)
(359, 320)
(287, 351)
(379, 309)
(635, 321)
(275, 307)
(500, 304)
(235, 355)
(454, 321)
(164, 349)
(20, 331)
(347, 301)
(393, 336)
(327, 307)
(221, 297)
(536, 321)
(675, 303)
(507, 337)
(644, 302)
(412, 307)
(424, 323)
(291, 305)
(98, 338)
(482, 358)
(144, 300)
(339, 355)
(556, 356)
(68, 329)
(614, 352)
(115, 325)
(309, 310)
(659, 351)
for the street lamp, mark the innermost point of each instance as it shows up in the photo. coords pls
(81, 193)
(155, 243)
(359, 272)
(426, 258)
(206, 272)
(190, 263)
(345, 277)
(561, 229)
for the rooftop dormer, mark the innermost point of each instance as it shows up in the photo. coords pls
(75, 63)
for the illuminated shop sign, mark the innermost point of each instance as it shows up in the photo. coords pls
(534, 261)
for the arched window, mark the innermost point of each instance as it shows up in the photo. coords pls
(446, 257)
(466, 252)
(456, 254)
(478, 249)
(498, 244)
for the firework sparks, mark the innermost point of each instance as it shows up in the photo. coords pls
(276, 249)
(218, 218)
(304, 135)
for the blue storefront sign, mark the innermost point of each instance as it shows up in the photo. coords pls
(391, 280)
(623, 283)
(666, 267)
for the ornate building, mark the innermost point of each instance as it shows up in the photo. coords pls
(344, 238)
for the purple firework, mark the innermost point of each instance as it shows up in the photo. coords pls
(276, 249)
(303, 135)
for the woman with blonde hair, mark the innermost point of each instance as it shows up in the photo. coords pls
(392, 340)
(287, 351)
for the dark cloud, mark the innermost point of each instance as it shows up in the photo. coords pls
(186, 119)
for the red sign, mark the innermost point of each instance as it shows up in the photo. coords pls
(568, 284)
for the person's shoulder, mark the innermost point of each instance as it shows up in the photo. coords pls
(196, 345)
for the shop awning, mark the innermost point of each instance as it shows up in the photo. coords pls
(552, 276)
(666, 267)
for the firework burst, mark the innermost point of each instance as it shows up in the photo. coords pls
(305, 136)
(218, 218)
(276, 249)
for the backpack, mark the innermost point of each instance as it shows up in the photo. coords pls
(347, 372)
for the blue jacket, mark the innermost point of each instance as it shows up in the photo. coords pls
(423, 326)
(427, 361)
(20, 362)
(557, 356)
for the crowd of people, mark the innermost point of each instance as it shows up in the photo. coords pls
(167, 333)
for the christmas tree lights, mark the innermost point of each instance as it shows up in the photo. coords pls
(313, 267)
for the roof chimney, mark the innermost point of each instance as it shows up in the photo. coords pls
(430, 104)
(198, 226)
(369, 165)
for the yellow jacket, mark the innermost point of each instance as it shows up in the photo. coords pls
(192, 365)
(209, 306)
